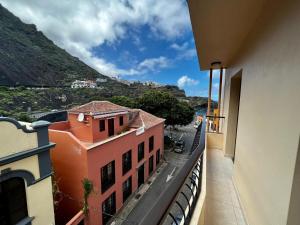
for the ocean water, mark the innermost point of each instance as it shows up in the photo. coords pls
(201, 111)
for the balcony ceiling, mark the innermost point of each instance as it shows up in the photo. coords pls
(221, 26)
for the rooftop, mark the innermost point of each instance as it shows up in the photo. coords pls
(98, 108)
(145, 119)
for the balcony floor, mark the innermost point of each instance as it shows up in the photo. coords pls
(222, 204)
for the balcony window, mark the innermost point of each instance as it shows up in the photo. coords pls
(13, 202)
(151, 143)
(108, 208)
(121, 120)
(126, 162)
(157, 156)
(107, 176)
(151, 164)
(127, 189)
(141, 148)
(102, 125)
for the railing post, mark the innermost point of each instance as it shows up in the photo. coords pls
(219, 99)
(209, 92)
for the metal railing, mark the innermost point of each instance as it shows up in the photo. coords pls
(214, 123)
(176, 203)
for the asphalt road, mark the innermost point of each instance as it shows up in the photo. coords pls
(174, 163)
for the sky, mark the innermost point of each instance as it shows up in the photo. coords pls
(144, 40)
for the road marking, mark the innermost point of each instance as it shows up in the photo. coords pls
(170, 176)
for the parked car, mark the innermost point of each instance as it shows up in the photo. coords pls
(179, 146)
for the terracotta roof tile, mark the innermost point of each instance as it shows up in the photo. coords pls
(146, 119)
(98, 107)
(139, 117)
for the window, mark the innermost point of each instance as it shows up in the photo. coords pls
(126, 162)
(127, 187)
(157, 156)
(151, 164)
(108, 208)
(13, 204)
(151, 143)
(141, 151)
(107, 176)
(121, 121)
(111, 127)
(101, 125)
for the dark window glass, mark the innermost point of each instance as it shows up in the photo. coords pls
(108, 208)
(151, 164)
(141, 151)
(151, 143)
(13, 204)
(157, 156)
(101, 125)
(107, 176)
(141, 175)
(111, 127)
(127, 189)
(126, 162)
(121, 121)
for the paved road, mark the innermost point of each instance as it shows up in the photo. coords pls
(147, 199)
(174, 163)
(188, 134)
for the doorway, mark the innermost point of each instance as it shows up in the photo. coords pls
(111, 127)
(13, 202)
(233, 115)
(140, 175)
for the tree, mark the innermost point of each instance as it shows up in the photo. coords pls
(123, 101)
(88, 187)
(184, 114)
(165, 105)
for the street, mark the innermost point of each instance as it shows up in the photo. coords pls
(173, 163)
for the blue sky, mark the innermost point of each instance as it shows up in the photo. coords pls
(180, 54)
(145, 40)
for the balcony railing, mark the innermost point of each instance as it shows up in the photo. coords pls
(214, 123)
(176, 203)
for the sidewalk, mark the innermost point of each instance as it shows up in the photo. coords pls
(132, 202)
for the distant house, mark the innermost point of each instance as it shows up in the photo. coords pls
(84, 84)
(152, 84)
(101, 80)
(115, 147)
(25, 173)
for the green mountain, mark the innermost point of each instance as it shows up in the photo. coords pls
(27, 57)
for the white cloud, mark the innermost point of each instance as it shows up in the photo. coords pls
(178, 47)
(184, 51)
(215, 86)
(186, 81)
(154, 64)
(80, 25)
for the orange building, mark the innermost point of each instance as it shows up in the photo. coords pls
(115, 147)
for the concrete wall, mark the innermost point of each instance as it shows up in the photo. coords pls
(89, 131)
(214, 140)
(82, 130)
(9, 136)
(97, 135)
(268, 127)
(69, 162)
